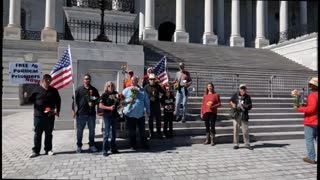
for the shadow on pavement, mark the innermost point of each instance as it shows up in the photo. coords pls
(270, 145)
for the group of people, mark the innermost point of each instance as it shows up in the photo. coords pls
(136, 100)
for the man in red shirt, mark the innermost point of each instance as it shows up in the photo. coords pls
(310, 121)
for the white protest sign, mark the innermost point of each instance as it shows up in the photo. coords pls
(24, 73)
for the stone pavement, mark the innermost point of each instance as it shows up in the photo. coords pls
(269, 160)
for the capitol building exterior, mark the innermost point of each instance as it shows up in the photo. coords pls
(244, 23)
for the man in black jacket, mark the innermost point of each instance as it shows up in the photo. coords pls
(153, 89)
(241, 103)
(86, 100)
(47, 103)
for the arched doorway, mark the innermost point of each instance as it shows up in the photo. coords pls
(166, 31)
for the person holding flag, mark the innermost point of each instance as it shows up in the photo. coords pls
(153, 89)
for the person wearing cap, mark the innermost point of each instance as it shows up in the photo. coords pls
(127, 82)
(146, 77)
(310, 120)
(183, 80)
(241, 103)
(153, 89)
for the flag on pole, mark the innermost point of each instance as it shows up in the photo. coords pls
(62, 72)
(160, 70)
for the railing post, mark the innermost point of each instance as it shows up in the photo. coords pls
(197, 84)
(271, 85)
(89, 30)
(116, 33)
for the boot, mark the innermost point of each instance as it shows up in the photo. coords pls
(207, 139)
(213, 138)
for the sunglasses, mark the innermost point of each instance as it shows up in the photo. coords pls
(111, 85)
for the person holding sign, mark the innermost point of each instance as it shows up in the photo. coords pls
(47, 103)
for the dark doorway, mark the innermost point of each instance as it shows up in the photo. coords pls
(166, 31)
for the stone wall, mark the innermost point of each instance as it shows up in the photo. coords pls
(303, 50)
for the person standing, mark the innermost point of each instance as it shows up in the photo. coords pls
(86, 101)
(241, 103)
(183, 81)
(127, 82)
(136, 99)
(210, 103)
(167, 100)
(153, 89)
(47, 103)
(146, 77)
(310, 120)
(109, 102)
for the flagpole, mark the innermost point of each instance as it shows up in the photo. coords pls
(74, 97)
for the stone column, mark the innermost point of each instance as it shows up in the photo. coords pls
(180, 35)
(220, 21)
(235, 39)
(13, 30)
(303, 17)
(49, 33)
(283, 21)
(141, 18)
(261, 40)
(149, 32)
(208, 36)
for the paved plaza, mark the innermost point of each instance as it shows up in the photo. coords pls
(165, 160)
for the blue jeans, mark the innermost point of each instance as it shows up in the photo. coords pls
(82, 120)
(109, 121)
(181, 97)
(311, 135)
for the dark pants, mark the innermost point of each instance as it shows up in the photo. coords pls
(168, 119)
(155, 113)
(133, 123)
(46, 124)
(210, 122)
(109, 122)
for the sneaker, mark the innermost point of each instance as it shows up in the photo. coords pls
(183, 120)
(235, 147)
(33, 155)
(79, 149)
(105, 154)
(249, 147)
(50, 153)
(93, 149)
(305, 159)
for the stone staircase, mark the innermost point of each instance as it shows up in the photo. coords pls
(269, 77)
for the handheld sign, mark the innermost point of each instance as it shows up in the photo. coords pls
(24, 73)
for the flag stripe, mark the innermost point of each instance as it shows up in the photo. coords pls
(62, 71)
(61, 79)
(160, 70)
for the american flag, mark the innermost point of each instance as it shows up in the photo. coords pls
(160, 70)
(62, 71)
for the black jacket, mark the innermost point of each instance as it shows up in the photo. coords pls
(247, 105)
(82, 100)
(43, 98)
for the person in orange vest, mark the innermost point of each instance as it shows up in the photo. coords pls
(127, 82)
(310, 120)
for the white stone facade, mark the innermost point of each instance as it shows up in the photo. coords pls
(303, 50)
(195, 20)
